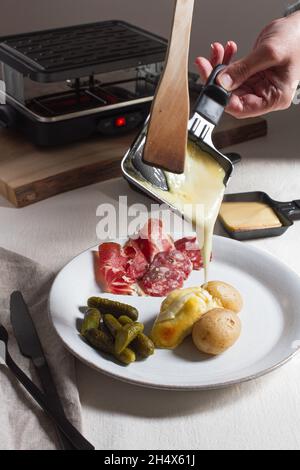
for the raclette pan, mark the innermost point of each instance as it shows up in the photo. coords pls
(287, 212)
(206, 116)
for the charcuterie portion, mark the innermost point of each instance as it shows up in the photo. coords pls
(150, 264)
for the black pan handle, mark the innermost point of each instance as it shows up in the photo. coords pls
(290, 209)
(213, 98)
(295, 214)
(234, 157)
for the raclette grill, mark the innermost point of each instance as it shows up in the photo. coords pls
(63, 85)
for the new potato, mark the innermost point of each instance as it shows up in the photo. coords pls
(228, 297)
(217, 331)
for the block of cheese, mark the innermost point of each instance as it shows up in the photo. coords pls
(246, 216)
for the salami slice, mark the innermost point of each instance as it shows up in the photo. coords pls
(189, 246)
(159, 282)
(167, 272)
(175, 260)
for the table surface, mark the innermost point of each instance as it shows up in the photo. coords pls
(263, 414)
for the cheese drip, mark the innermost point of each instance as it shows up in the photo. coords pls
(198, 194)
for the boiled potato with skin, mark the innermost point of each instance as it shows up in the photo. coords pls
(217, 331)
(226, 294)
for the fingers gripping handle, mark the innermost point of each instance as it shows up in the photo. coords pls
(213, 98)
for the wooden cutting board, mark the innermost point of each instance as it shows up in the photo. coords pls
(29, 174)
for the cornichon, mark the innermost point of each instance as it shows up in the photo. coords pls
(117, 309)
(124, 320)
(126, 335)
(112, 324)
(142, 345)
(99, 340)
(91, 320)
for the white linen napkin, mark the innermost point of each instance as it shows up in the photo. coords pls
(23, 425)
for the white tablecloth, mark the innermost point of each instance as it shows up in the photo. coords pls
(264, 414)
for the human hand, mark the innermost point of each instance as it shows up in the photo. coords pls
(265, 80)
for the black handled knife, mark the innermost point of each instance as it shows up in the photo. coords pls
(30, 346)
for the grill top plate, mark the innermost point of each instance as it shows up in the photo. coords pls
(78, 51)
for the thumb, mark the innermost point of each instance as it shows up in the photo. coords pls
(237, 73)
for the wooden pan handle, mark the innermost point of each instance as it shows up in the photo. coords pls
(167, 132)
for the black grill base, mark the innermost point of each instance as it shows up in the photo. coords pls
(52, 134)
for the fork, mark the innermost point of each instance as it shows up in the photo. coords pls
(78, 441)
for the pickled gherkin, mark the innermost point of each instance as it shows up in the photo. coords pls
(142, 345)
(126, 335)
(99, 340)
(116, 309)
(124, 320)
(127, 356)
(112, 324)
(112, 327)
(91, 321)
(104, 329)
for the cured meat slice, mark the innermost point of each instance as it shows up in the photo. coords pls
(174, 260)
(137, 264)
(112, 272)
(167, 272)
(159, 282)
(112, 254)
(190, 247)
(153, 240)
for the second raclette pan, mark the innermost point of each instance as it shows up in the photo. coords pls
(287, 212)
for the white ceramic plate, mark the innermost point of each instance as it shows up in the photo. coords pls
(271, 322)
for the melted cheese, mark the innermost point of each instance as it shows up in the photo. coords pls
(176, 301)
(243, 216)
